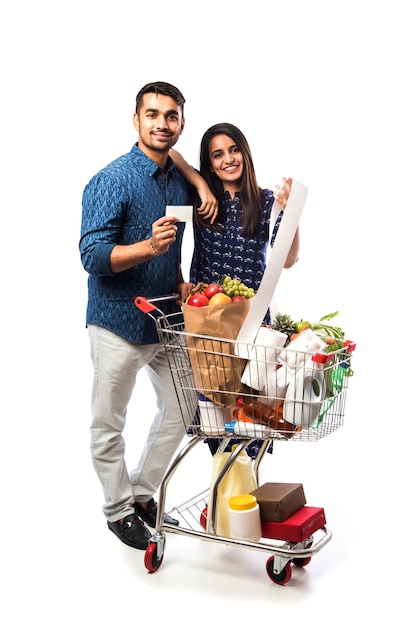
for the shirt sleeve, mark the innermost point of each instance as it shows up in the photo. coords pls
(102, 216)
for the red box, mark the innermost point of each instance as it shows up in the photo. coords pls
(298, 527)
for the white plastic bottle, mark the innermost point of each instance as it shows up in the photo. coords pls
(244, 518)
(240, 478)
(212, 417)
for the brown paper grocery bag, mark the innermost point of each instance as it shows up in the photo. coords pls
(216, 368)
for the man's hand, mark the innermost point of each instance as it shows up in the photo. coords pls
(184, 290)
(209, 204)
(164, 232)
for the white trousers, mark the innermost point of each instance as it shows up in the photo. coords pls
(116, 363)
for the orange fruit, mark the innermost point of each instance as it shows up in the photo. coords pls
(219, 298)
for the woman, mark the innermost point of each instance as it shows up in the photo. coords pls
(236, 243)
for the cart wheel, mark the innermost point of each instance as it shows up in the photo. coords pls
(151, 560)
(302, 562)
(204, 517)
(283, 577)
(306, 560)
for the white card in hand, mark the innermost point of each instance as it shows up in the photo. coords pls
(183, 212)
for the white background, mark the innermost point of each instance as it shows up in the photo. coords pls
(325, 92)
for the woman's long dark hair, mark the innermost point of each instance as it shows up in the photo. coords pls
(251, 196)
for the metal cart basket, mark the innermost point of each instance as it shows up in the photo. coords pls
(304, 400)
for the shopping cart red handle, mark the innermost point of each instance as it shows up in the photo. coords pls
(326, 357)
(349, 345)
(146, 304)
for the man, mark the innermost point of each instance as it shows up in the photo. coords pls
(129, 247)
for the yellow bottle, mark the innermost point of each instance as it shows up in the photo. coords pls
(239, 479)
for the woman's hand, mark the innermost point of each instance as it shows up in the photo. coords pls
(281, 193)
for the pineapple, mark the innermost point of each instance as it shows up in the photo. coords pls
(285, 324)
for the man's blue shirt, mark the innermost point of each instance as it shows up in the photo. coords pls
(119, 205)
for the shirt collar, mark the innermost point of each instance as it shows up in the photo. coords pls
(227, 196)
(148, 164)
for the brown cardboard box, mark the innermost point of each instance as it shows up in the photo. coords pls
(278, 501)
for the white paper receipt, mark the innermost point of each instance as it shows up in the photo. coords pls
(183, 212)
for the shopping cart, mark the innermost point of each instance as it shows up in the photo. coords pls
(306, 405)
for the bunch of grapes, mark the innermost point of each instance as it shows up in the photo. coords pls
(234, 287)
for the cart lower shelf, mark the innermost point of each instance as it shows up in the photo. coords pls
(293, 542)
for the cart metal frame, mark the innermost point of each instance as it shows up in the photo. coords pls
(192, 514)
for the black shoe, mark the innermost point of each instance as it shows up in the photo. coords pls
(149, 514)
(132, 531)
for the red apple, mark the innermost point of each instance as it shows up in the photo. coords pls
(198, 299)
(212, 289)
(237, 298)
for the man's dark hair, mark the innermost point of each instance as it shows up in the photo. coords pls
(165, 89)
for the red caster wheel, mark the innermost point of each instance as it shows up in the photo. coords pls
(302, 562)
(282, 577)
(151, 560)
